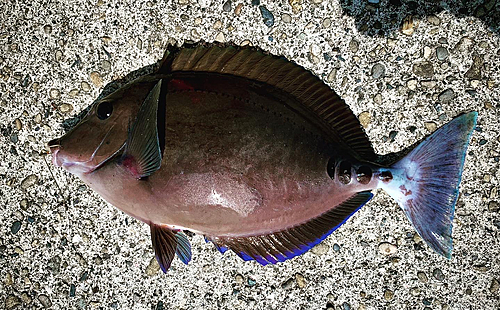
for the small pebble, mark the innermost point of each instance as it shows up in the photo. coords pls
(287, 284)
(446, 96)
(412, 84)
(267, 16)
(434, 20)
(408, 26)
(332, 75)
(493, 206)
(494, 286)
(152, 268)
(430, 126)
(18, 124)
(427, 52)
(296, 5)
(54, 93)
(474, 71)
(12, 302)
(29, 181)
(73, 93)
(96, 79)
(386, 248)
(227, 6)
(327, 22)
(378, 98)
(286, 18)
(251, 282)
(255, 2)
(336, 247)
(388, 295)
(438, 274)
(72, 290)
(428, 84)
(320, 249)
(378, 71)
(220, 37)
(239, 279)
(475, 83)
(237, 10)
(44, 300)
(16, 226)
(365, 119)
(423, 69)
(65, 108)
(217, 25)
(26, 298)
(442, 53)
(300, 280)
(58, 55)
(422, 277)
(47, 29)
(105, 65)
(85, 86)
(354, 46)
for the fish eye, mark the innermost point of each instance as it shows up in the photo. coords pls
(104, 110)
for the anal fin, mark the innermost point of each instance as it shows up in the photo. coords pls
(167, 243)
(282, 245)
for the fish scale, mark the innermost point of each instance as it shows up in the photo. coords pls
(255, 153)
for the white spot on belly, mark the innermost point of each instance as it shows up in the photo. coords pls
(216, 189)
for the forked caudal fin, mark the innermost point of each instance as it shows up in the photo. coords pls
(425, 182)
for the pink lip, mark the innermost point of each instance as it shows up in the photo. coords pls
(55, 160)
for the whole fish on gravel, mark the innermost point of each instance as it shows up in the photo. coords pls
(255, 153)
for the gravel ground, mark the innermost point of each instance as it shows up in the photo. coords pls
(402, 66)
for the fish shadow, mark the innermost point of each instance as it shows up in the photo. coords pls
(385, 17)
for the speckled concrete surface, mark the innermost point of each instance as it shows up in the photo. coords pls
(63, 247)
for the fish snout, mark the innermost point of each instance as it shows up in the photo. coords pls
(54, 147)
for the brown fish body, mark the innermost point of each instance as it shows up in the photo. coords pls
(255, 153)
(236, 162)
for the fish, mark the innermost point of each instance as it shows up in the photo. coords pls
(255, 153)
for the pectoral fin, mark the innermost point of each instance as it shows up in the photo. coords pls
(167, 243)
(142, 156)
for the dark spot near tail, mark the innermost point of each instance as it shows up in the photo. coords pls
(364, 174)
(385, 176)
(344, 172)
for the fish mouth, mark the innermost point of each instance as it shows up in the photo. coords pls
(65, 160)
(81, 167)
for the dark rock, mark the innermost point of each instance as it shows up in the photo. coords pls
(267, 16)
(424, 69)
(438, 274)
(227, 6)
(255, 2)
(378, 71)
(72, 290)
(287, 284)
(474, 71)
(15, 227)
(442, 53)
(446, 96)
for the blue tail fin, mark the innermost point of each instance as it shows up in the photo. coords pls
(425, 182)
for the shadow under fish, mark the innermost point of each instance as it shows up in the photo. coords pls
(255, 153)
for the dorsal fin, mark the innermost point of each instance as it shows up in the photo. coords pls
(282, 245)
(312, 94)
